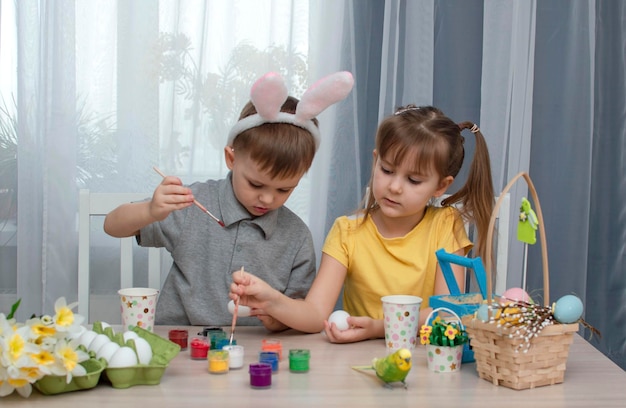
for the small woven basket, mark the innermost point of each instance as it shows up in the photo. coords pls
(498, 356)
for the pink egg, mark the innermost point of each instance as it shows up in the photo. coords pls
(516, 294)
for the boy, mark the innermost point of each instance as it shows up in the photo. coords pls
(268, 151)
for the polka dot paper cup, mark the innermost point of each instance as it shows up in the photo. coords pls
(401, 319)
(138, 306)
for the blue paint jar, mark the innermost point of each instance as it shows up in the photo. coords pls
(271, 358)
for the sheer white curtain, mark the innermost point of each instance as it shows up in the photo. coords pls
(105, 90)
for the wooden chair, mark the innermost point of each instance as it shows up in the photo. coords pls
(100, 204)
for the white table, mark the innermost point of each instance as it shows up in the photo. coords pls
(591, 380)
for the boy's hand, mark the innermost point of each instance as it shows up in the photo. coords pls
(361, 328)
(252, 291)
(256, 294)
(169, 196)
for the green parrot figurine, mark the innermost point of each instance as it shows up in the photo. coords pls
(392, 368)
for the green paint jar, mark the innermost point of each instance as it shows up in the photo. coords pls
(299, 360)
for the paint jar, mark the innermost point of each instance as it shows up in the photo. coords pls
(208, 330)
(299, 360)
(235, 355)
(218, 361)
(269, 357)
(199, 348)
(220, 343)
(179, 337)
(273, 345)
(215, 337)
(260, 375)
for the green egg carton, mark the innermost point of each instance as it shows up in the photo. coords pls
(57, 384)
(163, 351)
(125, 377)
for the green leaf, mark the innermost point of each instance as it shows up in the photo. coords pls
(14, 309)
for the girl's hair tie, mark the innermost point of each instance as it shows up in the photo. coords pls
(269, 93)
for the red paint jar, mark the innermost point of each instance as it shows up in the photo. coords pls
(179, 337)
(199, 348)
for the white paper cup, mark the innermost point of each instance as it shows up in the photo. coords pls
(401, 319)
(138, 306)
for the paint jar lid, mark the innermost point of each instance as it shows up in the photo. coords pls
(260, 369)
(221, 342)
(273, 345)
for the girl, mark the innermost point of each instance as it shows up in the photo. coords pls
(389, 247)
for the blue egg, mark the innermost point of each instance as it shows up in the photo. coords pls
(568, 309)
(483, 313)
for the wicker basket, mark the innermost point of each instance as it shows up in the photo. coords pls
(498, 357)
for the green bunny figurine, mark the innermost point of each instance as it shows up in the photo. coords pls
(528, 223)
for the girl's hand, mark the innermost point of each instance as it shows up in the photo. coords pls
(361, 328)
(270, 323)
(169, 196)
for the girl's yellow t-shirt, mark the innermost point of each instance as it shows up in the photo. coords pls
(379, 266)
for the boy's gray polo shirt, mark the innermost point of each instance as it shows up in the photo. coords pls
(277, 247)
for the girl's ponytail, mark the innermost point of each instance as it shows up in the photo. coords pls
(477, 195)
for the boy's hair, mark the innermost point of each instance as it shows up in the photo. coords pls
(433, 142)
(281, 149)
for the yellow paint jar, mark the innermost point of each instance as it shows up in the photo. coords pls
(218, 361)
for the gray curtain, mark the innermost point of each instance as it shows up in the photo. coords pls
(545, 81)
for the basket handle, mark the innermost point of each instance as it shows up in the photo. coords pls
(444, 309)
(542, 237)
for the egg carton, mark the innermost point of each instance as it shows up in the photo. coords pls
(163, 351)
(57, 384)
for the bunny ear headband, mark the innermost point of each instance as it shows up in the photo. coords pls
(270, 92)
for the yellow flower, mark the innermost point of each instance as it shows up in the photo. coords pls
(64, 316)
(39, 347)
(450, 332)
(67, 357)
(41, 330)
(43, 358)
(16, 345)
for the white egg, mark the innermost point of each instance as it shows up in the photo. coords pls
(107, 351)
(99, 341)
(129, 334)
(144, 350)
(86, 338)
(123, 357)
(242, 311)
(340, 318)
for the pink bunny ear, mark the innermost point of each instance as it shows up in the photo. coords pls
(325, 92)
(268, 95)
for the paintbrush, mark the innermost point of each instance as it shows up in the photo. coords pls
(195, 202)
(232, 327)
